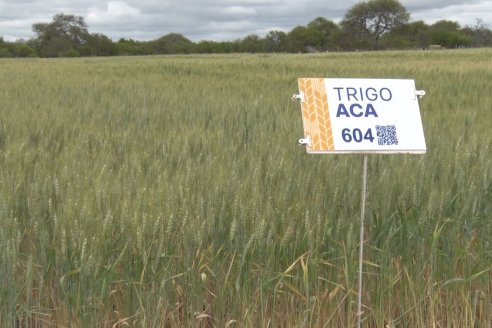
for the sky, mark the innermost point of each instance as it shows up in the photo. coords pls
(214, 20)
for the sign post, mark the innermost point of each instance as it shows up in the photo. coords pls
(364, 116)
(361, 240)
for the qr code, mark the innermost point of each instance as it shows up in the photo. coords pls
(386, 135)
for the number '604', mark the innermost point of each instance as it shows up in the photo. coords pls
(357, 135)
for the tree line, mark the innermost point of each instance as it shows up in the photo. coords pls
(368, 25)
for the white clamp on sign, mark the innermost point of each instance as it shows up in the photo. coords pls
(298, 96)
(305, 141)
(420, 93)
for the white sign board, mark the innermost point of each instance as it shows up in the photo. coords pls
(361, 116)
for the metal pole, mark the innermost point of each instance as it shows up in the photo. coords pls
(361, 241)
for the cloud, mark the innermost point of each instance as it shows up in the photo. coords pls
(463, 13)
(115, 11)
(239, 11)
(211, 19)
(412, 5)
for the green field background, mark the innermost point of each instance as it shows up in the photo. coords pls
(171, 192)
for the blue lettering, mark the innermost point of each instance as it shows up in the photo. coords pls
(339, 95)
(388, 94)
(352, 92)
(356, 110)
(354, 113)
(373, 95)
(371, 111)
(358, 95)
(342, 111)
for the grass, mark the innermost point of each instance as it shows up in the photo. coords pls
(169, 192)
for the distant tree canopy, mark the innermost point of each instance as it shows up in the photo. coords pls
(368, 25)
(326, 33)
(68, 36)
(16, 49)
(368, 21)
(64, 36)
(482, 37)
(448, 34)
(172, 43)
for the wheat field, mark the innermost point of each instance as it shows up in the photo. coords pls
(169, 191)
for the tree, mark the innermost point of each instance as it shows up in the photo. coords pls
(63, 36)
(208, 47)
(302, 38)
(448, 34)
(367, 22)
(275, 41)
(130, 47)
(481, 35)
(408, 36)
(4, 49)
(20, 48)
(98, 45)
(252, 44)
(326, 31)
(172, 43)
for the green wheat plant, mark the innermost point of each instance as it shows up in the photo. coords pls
(169, 191)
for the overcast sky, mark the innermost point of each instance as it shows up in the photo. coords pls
(212, 19)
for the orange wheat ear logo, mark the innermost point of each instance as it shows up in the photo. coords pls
(315, 114)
